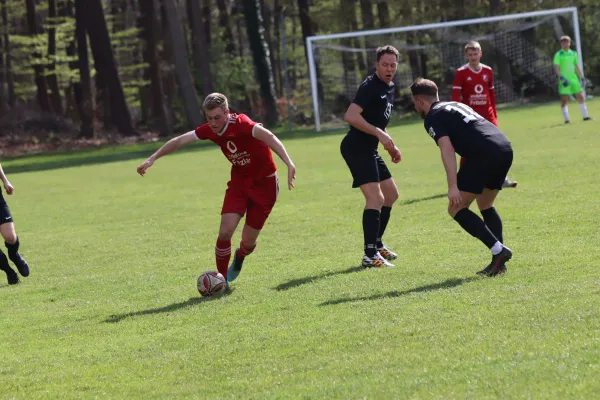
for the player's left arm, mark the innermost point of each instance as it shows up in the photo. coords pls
(492, 91)
(580, 75)
(266, 136)
(7, 186)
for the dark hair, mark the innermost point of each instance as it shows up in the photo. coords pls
(424, 87)
(388, 49)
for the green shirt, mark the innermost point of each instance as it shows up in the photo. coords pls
(566, 60)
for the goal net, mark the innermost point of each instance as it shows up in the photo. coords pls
(519, 48)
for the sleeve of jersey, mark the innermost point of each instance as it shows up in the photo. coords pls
(245, 125)
(557, 59)
(457, 87)
(363, 96)
(201, 132)
(437, 130)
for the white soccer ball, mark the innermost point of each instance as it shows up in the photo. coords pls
(211, 283)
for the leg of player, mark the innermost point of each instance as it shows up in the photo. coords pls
(229, 223)
(371, 219)
(247, 246)
(11, 240)
(390, 195)
(476, 227)
(564, 101)
(582, 106)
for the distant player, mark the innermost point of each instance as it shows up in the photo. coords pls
(570, 78)
(368, 116)
(474, 86)
(488, 155)
(253, 187)
(11, 240)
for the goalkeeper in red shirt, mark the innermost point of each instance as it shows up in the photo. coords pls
(474, 86)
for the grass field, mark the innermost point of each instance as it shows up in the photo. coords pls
(111, 308)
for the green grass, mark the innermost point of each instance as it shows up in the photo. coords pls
(111, 308)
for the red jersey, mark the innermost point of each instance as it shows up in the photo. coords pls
(248, 155)
(477, 90)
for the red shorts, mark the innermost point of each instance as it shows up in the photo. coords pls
(250, 196)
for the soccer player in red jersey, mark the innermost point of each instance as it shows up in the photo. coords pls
(253, 187)
(474, 86)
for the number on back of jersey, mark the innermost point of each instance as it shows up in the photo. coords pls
(467, 112)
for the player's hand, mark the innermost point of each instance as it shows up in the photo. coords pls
(8, 187)
(386, 140)
(291, 176)
(396, 155)
(582, 81)
(454, 197)
(564, 81)
(141, 169)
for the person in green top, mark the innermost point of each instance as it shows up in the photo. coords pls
(570, 78)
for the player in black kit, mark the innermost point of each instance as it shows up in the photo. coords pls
(368, 116)
(488, 155)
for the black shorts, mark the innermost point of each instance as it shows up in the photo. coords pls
(5, 215)
(478, 173)
(365, 163)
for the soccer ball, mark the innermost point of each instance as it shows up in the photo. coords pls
(211, 283)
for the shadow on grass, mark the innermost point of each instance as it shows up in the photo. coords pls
(170, 308)
(309, 279)
(447, 284)
(412, 201)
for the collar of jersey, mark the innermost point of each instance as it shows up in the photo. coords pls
(476, 72)
(226, 126)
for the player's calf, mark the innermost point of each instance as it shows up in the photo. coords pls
(11, 275)
(16, 258)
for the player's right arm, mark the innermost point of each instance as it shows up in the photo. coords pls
(171, 146)
(457, 86)
(449, 161)
(354, 117)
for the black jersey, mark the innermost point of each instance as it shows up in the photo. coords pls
(471, 135)
(376, 98)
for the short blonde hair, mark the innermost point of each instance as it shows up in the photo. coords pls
(472, 45)
(565, 37)
(215, 100)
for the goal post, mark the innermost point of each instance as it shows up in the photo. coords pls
(523, 45)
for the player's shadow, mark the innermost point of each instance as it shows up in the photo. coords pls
(192, 301)
(412, 201)
(447, 284)
(309, 279)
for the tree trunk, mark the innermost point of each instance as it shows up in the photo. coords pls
(148, 23)
(11, 97)
(104, 61)
(307, 30)
(224, 21)
(192, 106)
(83, 89)
(51, 75)
(366, 11)
(262, 61)
(201, 53)
(206, 18)
(268, 23)
(383, 13)
(40, 79)
(277, 12)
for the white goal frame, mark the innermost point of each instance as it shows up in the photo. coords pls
(311, 39)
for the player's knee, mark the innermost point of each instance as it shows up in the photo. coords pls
(453, 210)
(374, 199)
(9, 237)
(226, 233)
(391, 197)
